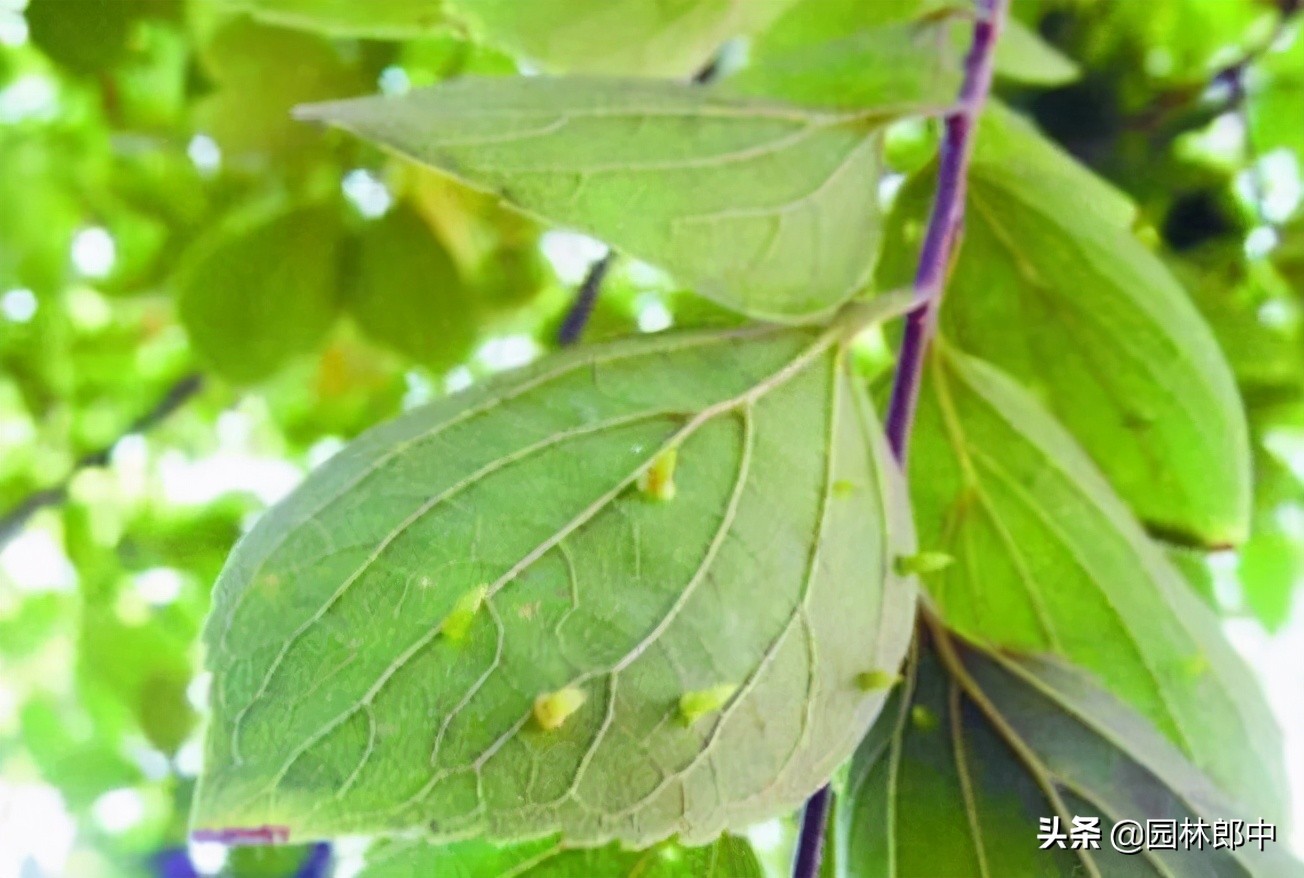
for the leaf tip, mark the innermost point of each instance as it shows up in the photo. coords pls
(695, 705)
(552, 709)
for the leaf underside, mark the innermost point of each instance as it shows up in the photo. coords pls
(338, 707)
(727, 857)
(1049, 560)
(977, 748)
(767, 208)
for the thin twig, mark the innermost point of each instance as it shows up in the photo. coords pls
(13, 521)
(585, 299)
(940, 241)
(586, 296)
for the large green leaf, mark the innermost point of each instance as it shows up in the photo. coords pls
(727, 857)
(1052, 286)
(261, 289)
(767, 208)
(1048, 559)
(605, 540)
(617, 37)
(981, 748)
(383, 19)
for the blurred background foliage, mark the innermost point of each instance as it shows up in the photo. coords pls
(200, 299)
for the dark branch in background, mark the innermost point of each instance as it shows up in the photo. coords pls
(940, 241)
(586, 296)
(13, 521)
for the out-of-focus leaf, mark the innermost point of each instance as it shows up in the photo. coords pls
(407, 293)
(1022, 55)
(87, 36)
(1049, 560)
(261, 289)
(765, 207)
(261, 72)
(618, 37)
(976, 749)
(597, 527)
(728, 857)
(1252, 312)
(1052, 286)
(377, 19)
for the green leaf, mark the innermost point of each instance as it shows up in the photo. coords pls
(764, 207)
(911, 66)
(1052, 286)
(339, 707)
(1022, 55)
(87, 36)
(728, 857)
(259, 73)
(1049, 560)
(1016, 741)
(618, 37)
(408, 294)
(261, 289)
(377, 19)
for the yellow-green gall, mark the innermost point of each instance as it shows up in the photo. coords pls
(924, 562)
(695, 705)
(872, 681)
(458, 622)
(922, 718)
(657, 482)
(552, 709)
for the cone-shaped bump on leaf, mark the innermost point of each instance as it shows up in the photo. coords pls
(658, 481)
(617, 37)
(703, 702)
(378, 19)
(338, 708)
(1053, 286)
(765, 207)
(261, 288)
(552, 709)
(1017, 740)
(877, 679)
(727, 857)
(457, 623)
(923, 562)
(1048, 559)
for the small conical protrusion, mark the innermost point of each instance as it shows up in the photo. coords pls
(458, 622)
(872, 681)
(657, 482)
(923, 562)
(695, 705)
(552, 709)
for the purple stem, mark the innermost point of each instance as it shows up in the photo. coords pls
(943, 225)
(940, 240)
